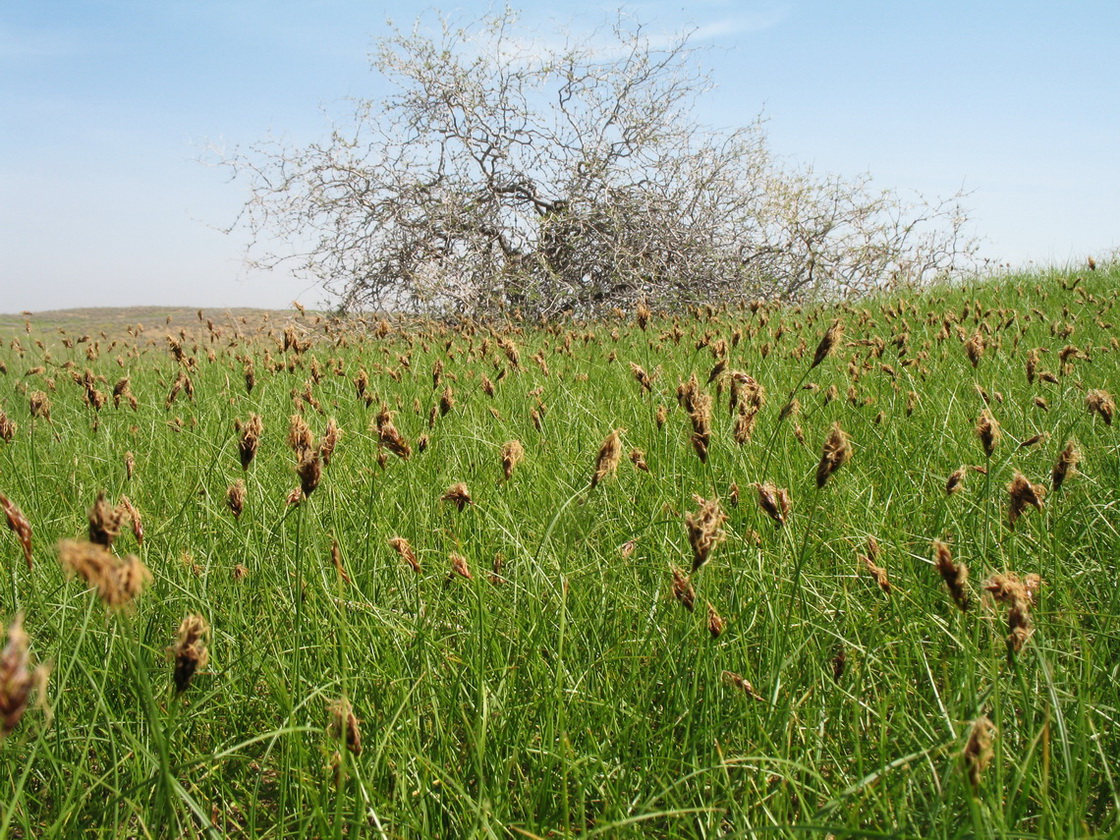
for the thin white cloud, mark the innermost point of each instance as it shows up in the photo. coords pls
(706, 24)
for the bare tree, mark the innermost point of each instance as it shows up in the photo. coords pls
(503, 173)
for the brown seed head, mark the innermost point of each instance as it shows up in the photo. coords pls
(682, 590)
(610, 453)
(701, 418)
(641, 376)
(404, 549)
(774, 502)
(125, 508)
(189, 651)
(117, 581)
(19, 524)
(978, 749)
(459, 566)
(828, 343)
(329, 441)
(40, 405)
(446, 401)
(954, 574)
(790, 409)
(745, 420)
(310, 470)
(104, 522)
(8, 429)
(987, 430)
(638, 459)
(343, 725)
(235, 498)
(1066, 465)
(974, 347)
(837, 452)
(1006, 588)
(642, 315)
(704, 531)
(16, 677)
(457, 494)
(955, 479)
(512, 455)
(716, 624)
(839, 664)
(300, 440)
(1023, 493)
(1101, 402)
(336, 561)
(687, 393)
(390, 438)
(877, 572)
(742, 684)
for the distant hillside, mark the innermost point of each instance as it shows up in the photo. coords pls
(115, 321)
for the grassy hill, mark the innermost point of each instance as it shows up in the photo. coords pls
(839, 571)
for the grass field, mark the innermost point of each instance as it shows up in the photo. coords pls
(541, 659)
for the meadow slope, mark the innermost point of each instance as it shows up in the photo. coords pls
(568, 579)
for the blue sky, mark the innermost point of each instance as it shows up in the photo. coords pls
(106, 107)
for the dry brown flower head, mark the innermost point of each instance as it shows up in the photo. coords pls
(641, 376)
(390, 438)
(19, 524)
(837, 452)
(1101, 402)
(1066, 465)
(310, 471)
(40, 405)
(988, 431)
(8, 429)
(189, 651)
(638, 459)
(126, 509)
(117, 580)
(336, 561)
(343, 725)
(104, 522)
(953, 573)
(235, 498)
(17, 679)
(512, 455)
(955, 479)
(404, 549)
(1008, 589)
(458, 495)
(682, 590)
(329, 441)
(978, 749)
(300, 439)
(774, 501)
(716, 623)
(1023, 493)
(974, 347)
(742, 684)
(459, 566)
(828, 343)
(610, 453)
(877, 572)
(705, 530)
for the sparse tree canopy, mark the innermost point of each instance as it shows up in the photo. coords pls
(502, 173)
